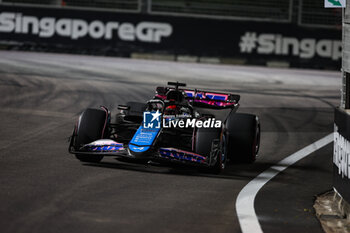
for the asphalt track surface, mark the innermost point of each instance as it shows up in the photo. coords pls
(45, 189)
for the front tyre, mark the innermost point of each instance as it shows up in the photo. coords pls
(92, 125)
(243, 137)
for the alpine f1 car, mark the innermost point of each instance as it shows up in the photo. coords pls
(178, 125)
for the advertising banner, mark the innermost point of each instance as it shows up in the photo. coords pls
(255, 42)
(341, 155)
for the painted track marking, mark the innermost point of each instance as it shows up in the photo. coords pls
(245, 201)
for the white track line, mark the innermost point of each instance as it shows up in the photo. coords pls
(245, 201)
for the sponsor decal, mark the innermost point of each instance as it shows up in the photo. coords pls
(341, 154)
(277, 44)
(46, 27)
(104, 145)
(105, 148)
(177, 154)
(143, 138)
(138, 148)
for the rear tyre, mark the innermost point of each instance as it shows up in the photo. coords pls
(208, 141)
(243, 137)
(92, 125)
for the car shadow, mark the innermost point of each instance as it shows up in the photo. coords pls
(232, 171)
(237, 171)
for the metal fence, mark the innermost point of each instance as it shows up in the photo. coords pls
(312, 13)
(305, 12)
(268, 10)
(122, 5)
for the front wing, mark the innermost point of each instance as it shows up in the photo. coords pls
(109, 147)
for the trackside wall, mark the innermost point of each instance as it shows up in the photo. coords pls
(341, 155)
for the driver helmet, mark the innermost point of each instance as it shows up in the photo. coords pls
(170, 110)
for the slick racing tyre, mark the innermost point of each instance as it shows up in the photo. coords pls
(243, 137)
(92, 125)
(208, 141)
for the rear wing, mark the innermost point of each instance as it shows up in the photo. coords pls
(206, 99)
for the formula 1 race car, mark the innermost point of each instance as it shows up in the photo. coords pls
(178, 125)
